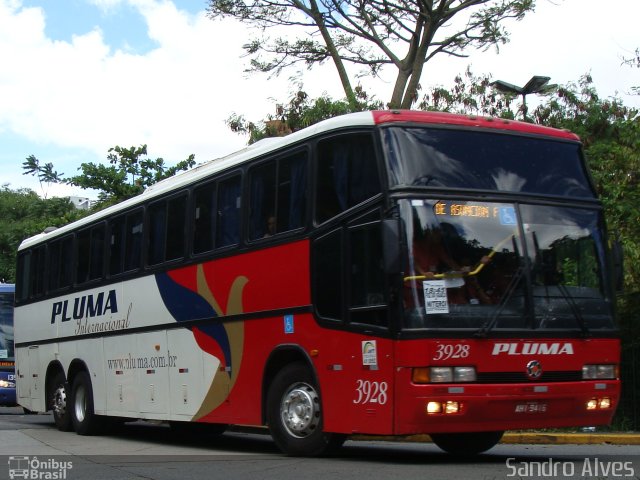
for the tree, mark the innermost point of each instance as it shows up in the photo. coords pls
(298, 112)
(24, 214)
(45, 172)
(403, 34)
(609, 130)
(129, 172)
(633, 61)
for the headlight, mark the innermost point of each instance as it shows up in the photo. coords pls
(599, 372)
(444, 374)
(6, 384)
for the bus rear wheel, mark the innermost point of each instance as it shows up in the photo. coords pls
(85, 421)
(59, 398)
(294, 414)
(466, 444)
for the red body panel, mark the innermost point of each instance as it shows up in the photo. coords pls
(442, 118)
(365, 382)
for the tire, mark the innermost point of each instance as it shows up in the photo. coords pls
(85, 421)
(466, 444)
(294, 414)
(59, 401)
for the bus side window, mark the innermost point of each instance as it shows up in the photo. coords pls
(90, 257)
(278, 196)
(228, 209)
(175, 235)
(347, 174)
(203, 226)
(31, 271)
(166, 230)
(60, 263)
(157, 214)
(263, 200)
(133, 241)
(367, 282)
(116, 245)
(328, 276)
(37, 274)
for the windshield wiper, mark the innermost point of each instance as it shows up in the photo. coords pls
(561, 288)
(511, 288)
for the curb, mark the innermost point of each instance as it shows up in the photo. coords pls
(531, 438)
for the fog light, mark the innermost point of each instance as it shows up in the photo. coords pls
(434, 407)
(451, 407)
(604, 403)
(592, 404)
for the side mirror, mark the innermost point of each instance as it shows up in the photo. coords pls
(391, 245)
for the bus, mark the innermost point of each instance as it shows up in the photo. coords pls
(7, 360)
(378, 273)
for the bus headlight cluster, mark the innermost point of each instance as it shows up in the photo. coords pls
(444, 374)
(7, 384)
(603, 403)
(599, 372)
(447, 407)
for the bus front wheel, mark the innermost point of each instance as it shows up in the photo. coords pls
(85, 421)
(466, 444)
(60, 403)
(294, 414)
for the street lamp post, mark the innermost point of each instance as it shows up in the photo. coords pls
(537, 84)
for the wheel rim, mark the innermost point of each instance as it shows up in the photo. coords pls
(300, 410)
(81, 403)
(60, 401)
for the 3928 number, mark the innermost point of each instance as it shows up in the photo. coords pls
(371, 392)
(446, 351)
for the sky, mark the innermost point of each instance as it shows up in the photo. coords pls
(78, 77)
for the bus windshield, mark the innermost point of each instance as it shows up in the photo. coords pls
(440, 157)
(6, 326)
(485, 266)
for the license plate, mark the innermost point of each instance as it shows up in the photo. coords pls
(531, 407)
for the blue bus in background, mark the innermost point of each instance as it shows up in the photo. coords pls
(7, 359)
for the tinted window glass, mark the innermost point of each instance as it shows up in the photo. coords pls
(133, 241)
(90, 245)
(228, 208)
(60, 263)
(203, 218)
(329, 275)
(278, 196)
(424, 157)
(347, 174)
(116, 245)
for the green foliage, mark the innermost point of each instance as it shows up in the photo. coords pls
(609, 130)
(299, 112)
(45, 172)
(129, 172)
(25, 214)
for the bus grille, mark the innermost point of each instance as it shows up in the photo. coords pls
(521, 377)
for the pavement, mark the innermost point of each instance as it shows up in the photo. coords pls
(539, 438)
(525, 437)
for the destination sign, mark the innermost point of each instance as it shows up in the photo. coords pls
(505, 214)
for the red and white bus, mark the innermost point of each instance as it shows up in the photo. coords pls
(383, 273)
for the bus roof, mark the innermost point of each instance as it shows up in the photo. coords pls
(264, 147)
(7, 287)
(442, 118)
